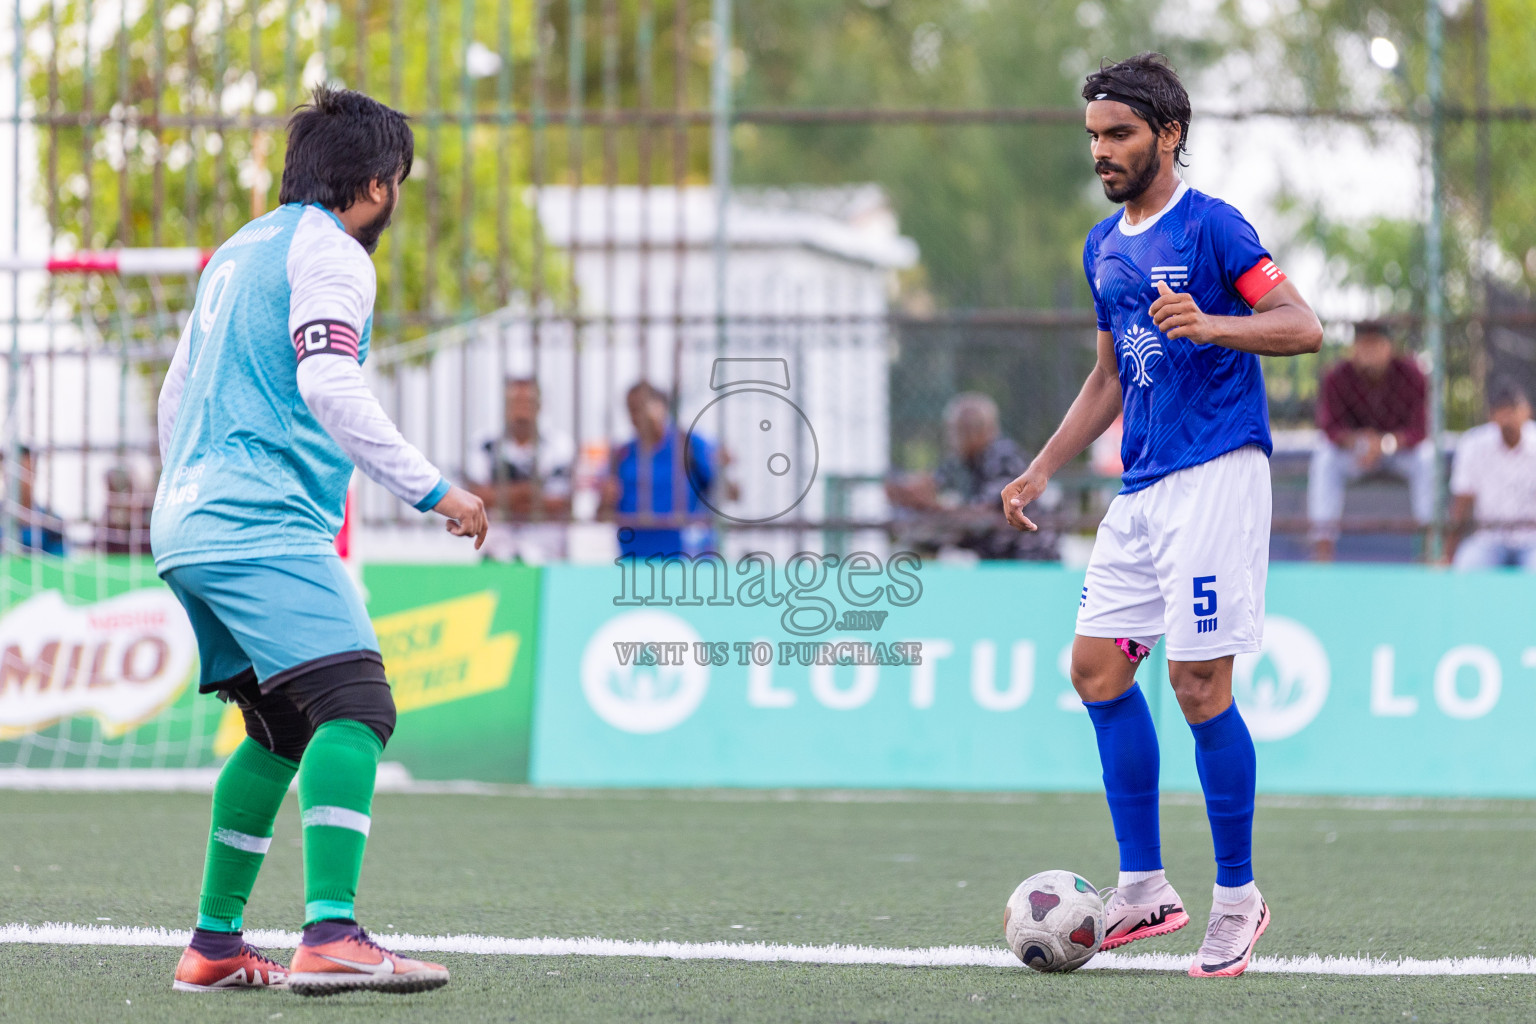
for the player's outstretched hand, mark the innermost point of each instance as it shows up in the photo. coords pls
(1025, 489)
(1177, 316)
(465, 514)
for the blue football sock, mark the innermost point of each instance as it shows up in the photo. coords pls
(1225, 760)
(1128, 752)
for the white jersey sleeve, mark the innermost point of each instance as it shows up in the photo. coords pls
(335, 391)
(330, 276)
(171, 390)
(332, 289)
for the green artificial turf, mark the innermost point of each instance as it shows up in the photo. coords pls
(1428, 881)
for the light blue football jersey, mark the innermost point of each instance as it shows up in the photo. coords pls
(250, 472)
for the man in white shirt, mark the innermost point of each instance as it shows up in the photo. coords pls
(1493, 483)
(523, 475)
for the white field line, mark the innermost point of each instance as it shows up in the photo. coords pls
(761, 952)
(394, 778)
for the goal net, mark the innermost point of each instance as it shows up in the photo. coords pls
(97, 660)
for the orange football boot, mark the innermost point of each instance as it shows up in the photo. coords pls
(247, 969)
(357, 962)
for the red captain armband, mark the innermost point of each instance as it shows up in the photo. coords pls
(319, 336)
(1259, 281)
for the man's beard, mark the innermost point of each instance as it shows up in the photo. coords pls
(1137, 184)
(370, 233)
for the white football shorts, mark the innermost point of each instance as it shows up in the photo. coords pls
(1186, 557)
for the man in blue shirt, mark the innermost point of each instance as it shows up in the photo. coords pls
(1187, 300)
(39, 530)
(657, 475)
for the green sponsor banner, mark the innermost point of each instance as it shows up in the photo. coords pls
(1393, 680)
(459, 645)
(98, 668)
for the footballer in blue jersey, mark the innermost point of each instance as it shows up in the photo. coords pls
(263, 415)
(1187, 299)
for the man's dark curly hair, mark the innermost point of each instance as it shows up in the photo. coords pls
(1153, 90)
(340, 142)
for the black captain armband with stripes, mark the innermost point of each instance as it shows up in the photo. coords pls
(320, 336)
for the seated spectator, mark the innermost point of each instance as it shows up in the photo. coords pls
(968, 485)
(1372, 412)
(124, 529)
(523, 474)
(40, 530)
(648, 477)
(1493, 482)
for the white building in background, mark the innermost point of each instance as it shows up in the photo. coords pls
(808, 278)
(809, 274)
(86, 411)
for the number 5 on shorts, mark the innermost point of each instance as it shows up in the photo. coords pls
(1205, 596)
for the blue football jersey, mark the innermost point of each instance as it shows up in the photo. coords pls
(1184, 403)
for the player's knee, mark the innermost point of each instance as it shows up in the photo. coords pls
(368, 701)
(1099, 671)
(353, 690)
(1195, 675)
(1195, 690)
(1101, 685)
(1203, 688)
(1087, 679)
(287, 738)
(271, 719)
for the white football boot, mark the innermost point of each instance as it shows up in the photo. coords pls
(1229, 939)
(1141, 911)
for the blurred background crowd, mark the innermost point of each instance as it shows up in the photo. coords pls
(685, 275)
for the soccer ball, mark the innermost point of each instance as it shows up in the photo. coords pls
(1054, 921)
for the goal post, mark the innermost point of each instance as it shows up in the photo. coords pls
(98, 664)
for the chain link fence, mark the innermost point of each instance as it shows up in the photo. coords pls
(610, 192)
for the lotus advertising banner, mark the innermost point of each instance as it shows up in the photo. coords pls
(98, 669)
(867, 672)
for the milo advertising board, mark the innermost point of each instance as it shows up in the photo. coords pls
(97, 662)
(98, 669)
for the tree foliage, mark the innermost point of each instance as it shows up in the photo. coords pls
(161, 123)
(1487, 171)
(999, 210)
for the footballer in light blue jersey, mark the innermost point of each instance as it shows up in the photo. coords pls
(251, 472)
(1187, 300)
(263, 414)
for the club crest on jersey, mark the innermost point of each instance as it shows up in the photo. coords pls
(1173, 277)
(1141, 346)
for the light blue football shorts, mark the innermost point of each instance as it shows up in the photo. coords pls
(281, 617)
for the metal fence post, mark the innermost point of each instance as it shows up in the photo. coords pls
(10, 521)
(720, 155)
(1434, 299)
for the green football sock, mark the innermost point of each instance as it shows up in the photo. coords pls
(246, 799)
(335, 799)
